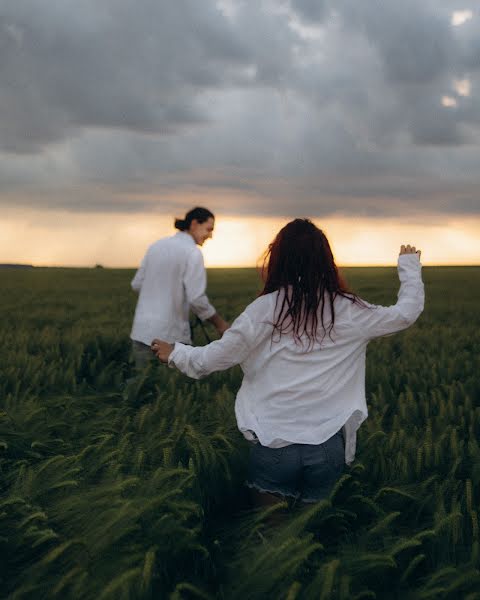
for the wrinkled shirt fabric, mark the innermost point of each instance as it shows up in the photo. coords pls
(171, 281)
(292, 394)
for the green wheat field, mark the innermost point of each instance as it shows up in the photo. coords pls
(117, 484)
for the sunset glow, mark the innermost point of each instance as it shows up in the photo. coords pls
(259, 111)
(121, 240)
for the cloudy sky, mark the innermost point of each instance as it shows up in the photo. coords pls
(117, 115)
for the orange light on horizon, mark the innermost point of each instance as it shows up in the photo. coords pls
(119, 240)
(354, 242)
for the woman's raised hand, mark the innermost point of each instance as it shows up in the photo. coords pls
(409, 250)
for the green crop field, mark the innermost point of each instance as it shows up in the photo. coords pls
(116, 484)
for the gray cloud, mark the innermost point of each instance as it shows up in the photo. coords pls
(415, 43)
(121, 65)
(312, 106)
(310, 10)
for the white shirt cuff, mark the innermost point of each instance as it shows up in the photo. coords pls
(171, 358)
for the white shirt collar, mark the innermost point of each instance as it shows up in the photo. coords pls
(186, 236)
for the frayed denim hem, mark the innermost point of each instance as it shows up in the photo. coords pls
(254, 486)
(311, 500)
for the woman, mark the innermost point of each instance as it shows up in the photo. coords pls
(171, 281)
(302, 346)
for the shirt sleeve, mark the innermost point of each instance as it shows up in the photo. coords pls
(137, 281)
(232, 349)
(195, 282)
(375, 321)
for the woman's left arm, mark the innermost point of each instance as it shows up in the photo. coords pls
(197, 362)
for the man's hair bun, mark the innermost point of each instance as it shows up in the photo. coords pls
(198, 213)
(180, 224)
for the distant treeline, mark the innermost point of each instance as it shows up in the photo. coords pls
(14, 266)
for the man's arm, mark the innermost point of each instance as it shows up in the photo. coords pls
(195, 282)
(219, 323)
(137, 281)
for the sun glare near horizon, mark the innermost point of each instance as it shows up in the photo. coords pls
(117, 241)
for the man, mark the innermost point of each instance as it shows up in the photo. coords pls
(171, 281)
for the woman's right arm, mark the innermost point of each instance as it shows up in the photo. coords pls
(232, 349)
(375, 321)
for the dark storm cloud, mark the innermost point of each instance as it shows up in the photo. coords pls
(310, 10)
(313, 106)
(414, 43)
(112, 65)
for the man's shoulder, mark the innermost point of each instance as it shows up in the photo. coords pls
(167, 241)
(175, 248)
(181, 240)
(164, 240)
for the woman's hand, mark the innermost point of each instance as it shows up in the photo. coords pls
(409, 250)
(161, 349)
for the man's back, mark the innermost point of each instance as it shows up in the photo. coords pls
(163, 303)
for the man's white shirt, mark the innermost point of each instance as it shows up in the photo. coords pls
(290, 395)
(171, 281)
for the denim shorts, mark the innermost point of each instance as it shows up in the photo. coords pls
(142, 354)
(302, 471)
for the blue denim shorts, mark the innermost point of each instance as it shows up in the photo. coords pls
(302, 471)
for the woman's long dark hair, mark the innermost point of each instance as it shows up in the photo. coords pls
(300, 262)
(198, 213)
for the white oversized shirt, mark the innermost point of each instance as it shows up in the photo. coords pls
(293, 395)
(171, 280)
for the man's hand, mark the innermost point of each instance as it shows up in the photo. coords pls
(222, 327)
(161, 349)
(220, 324)
(409, 250)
